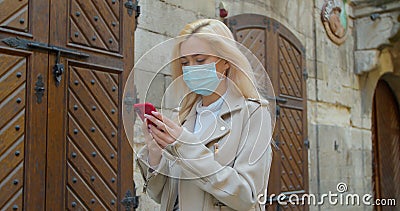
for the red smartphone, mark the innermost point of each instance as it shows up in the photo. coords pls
(144, 108)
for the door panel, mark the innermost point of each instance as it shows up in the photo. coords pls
(69, 144)
(14, 15)
(290, 72)
(291, 146)
(12, 130)
(88, 153)
(283, 57)
(253, 39)
(23, 118)
(92, 142)
(292, 119)
(95, 24)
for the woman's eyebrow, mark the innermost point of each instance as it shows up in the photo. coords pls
(191, 55)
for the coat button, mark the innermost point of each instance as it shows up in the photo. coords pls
(222, 128)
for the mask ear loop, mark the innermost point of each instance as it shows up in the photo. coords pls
(226, 71)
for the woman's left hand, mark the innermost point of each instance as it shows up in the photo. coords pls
(166, 131)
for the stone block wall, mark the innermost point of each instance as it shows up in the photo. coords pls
(339, 126)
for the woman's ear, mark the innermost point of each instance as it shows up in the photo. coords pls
(227, 65)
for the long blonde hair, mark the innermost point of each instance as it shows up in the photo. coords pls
(220, 38)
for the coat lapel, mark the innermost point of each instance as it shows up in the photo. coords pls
(215, 131)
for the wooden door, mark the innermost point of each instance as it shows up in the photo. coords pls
(23, 118)
(76, 153)
(283, 57)
(385, 145)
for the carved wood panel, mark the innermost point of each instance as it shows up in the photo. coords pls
(14, 15)
(95, 24)
(253, 39)
(290, 68)
(92, 147)
(47, 147)
(291, 130)
(292, 147)
(12, 130)
(95, 164)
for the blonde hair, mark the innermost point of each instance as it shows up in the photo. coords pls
(220, 38)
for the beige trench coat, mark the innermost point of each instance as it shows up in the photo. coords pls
(230, 179)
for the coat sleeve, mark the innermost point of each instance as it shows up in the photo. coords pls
(239, 186)
(154, 181)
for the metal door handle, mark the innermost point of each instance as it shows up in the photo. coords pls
(58, 68)
(19, 43)
(39, 88)
(63, 51)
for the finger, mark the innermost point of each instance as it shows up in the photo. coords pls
(169, 123)
(148, 137)
(159, 141)
(166, 137)
(158, 132)
(145, 128)
(171, 127)
(158, 115)
(146, 133)
(156, 121)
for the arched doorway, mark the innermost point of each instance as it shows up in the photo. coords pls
(385, 144)
(283, 57)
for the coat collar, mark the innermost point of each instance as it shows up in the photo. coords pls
(233, 101)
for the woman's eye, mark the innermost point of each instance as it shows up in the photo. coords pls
(184, 63)
(200, 60)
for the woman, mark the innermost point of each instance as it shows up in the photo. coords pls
(218, 156)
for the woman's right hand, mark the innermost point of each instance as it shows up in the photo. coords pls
(152, 146)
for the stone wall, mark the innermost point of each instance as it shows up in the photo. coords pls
(338, 122)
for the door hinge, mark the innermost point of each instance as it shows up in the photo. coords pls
(307, 143)
(305, 74)
(275, 26)
(278, 111)
(130, 201)
(276, 142)
(132, 6)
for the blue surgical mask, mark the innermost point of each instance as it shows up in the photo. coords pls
(201, 79)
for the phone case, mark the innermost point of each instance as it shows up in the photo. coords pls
(144, 108)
